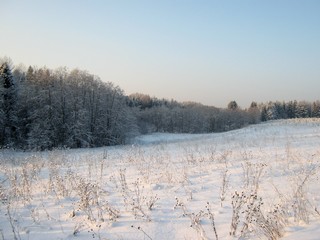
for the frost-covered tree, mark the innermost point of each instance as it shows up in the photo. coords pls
(40, 109)
(303, 110)
(315, 111)
(233, 105)
(280, 109)
(58, 108)
(20, 106)
(8, 99)
(264, 115)
(254, 113)
(77, 134)
(272, 113)
(291, 109)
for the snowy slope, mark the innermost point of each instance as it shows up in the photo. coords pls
(260, 182)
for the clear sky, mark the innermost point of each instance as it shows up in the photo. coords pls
(205, 51)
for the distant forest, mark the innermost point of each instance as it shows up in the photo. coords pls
(43, 109)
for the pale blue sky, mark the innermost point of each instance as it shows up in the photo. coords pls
(205, 51)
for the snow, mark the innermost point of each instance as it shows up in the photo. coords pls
(159, 187)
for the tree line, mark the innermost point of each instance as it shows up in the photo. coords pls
(291, 109)
(171, 116)
(42, 109)
(156, 115)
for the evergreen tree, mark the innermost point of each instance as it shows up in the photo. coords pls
(8, 101)
(291, 109)
(280, 109)
(264, 114)
(315, 111)
(272, 113)
(303, 110)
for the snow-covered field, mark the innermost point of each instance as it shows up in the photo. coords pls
(260, 182)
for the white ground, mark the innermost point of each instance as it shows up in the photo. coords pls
(161, 186)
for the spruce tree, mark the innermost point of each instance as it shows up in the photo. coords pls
(315, 111)
(8, 100)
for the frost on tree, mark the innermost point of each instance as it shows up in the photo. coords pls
(7, 102)
(233, 105)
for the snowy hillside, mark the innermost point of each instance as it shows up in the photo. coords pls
(259, 182)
